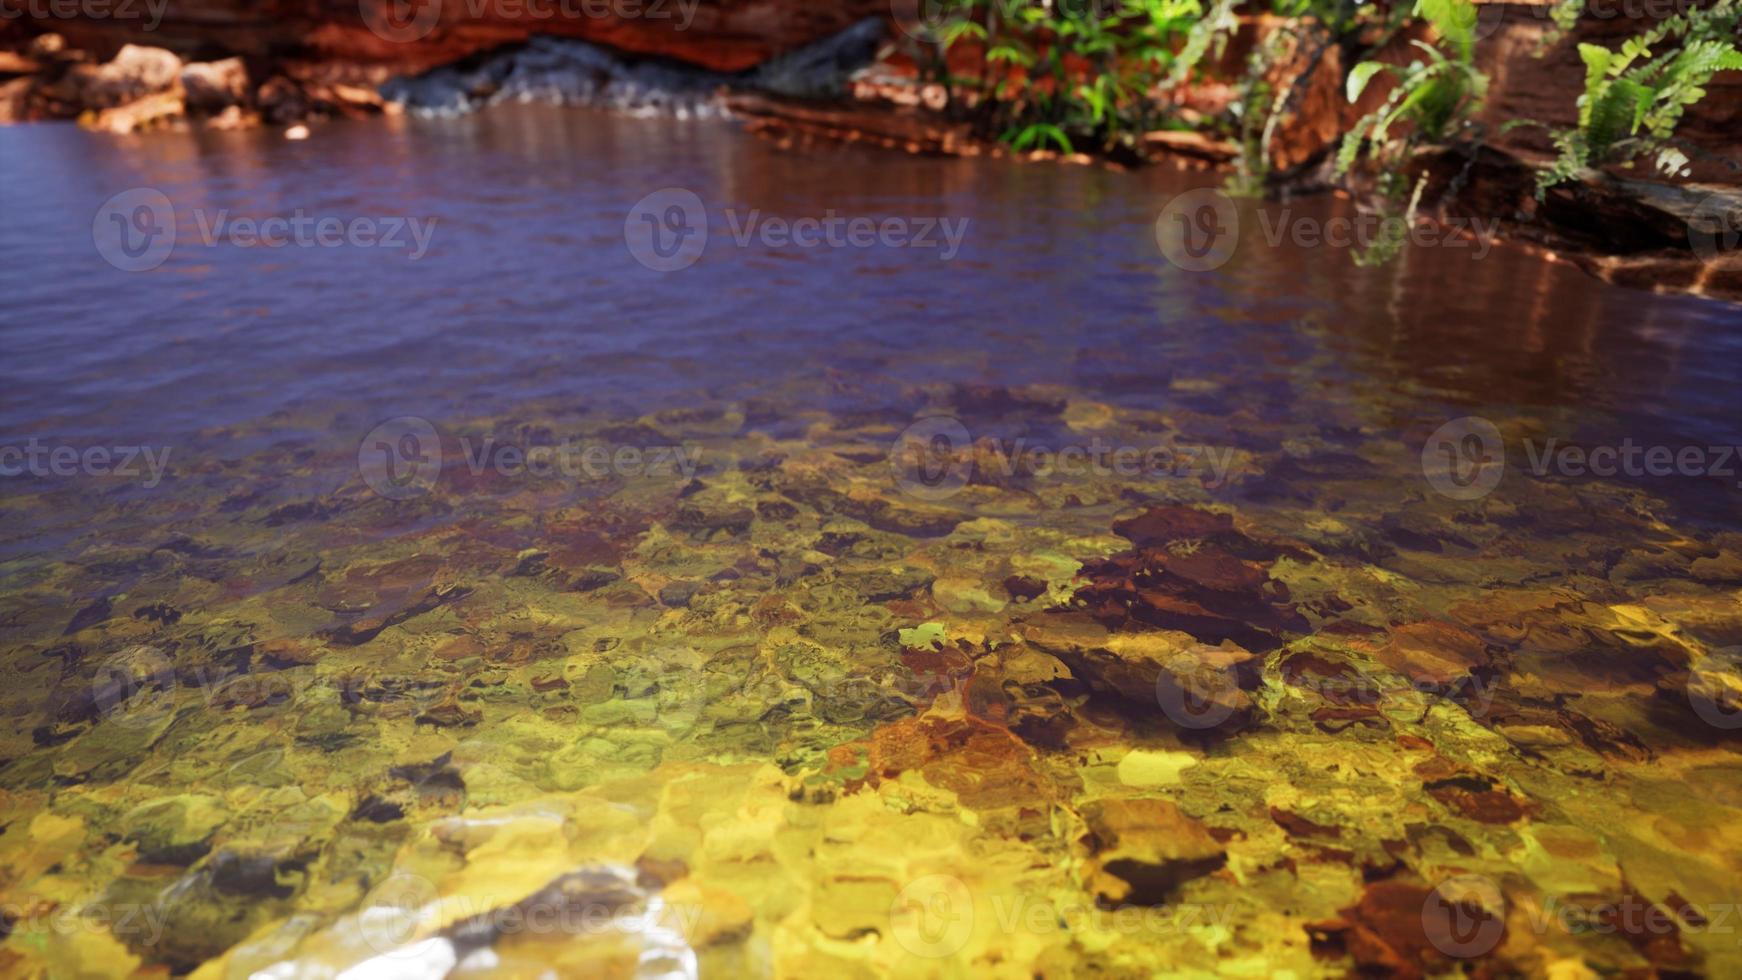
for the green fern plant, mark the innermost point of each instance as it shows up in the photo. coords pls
(1036, 136)
(1634, 98)
(1433, 99)
(1434, 95)
(1031, 89)
(1209, 32)
(1258, 110)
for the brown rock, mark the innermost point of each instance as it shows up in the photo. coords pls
(15, 99)
(1191, 144)
(1433, 652)
(1135, 665)
(1144, 850)
(1475, 798)
(13, 63)
(282, 100)
(1298, 826)
(991, 771)
(233, 118)
(213, 86)
(1191, 570)
(1162, 525)
(1392, 929)
(46, 46)
(1021, 587)
(1545, 86)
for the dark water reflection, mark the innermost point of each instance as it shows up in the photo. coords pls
(528, 289)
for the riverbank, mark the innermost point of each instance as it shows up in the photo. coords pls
(833, 78)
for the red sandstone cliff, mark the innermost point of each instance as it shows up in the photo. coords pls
(723, 35)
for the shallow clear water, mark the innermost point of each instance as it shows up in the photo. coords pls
(809, 685)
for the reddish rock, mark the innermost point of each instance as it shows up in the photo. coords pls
(1298, 826)
(1193, 572)
(1393, 928)
(1161, 525)
(990, 770)
(1476, 799)
(725, 35)
(1433, 652)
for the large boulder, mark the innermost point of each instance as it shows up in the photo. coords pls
(135, 72)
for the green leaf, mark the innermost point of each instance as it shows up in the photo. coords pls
(1039, 134)
(1361, 75)
(1615, 114)
(1455, 20)
(1596, 58)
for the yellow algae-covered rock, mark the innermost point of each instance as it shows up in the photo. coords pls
(1086, 416)
(962, 595)
(1203, 684)
(1142, 767)
(83, 951)
(174, 830)
(708, 915)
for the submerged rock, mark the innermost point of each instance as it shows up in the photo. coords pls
(1192, 571)
(1433, 653)
(1144, 850)
(1195, 684)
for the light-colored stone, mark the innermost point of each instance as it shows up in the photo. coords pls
(139, 114)
(134, 73)
(14, 99)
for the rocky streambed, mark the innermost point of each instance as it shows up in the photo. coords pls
(775, 718)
